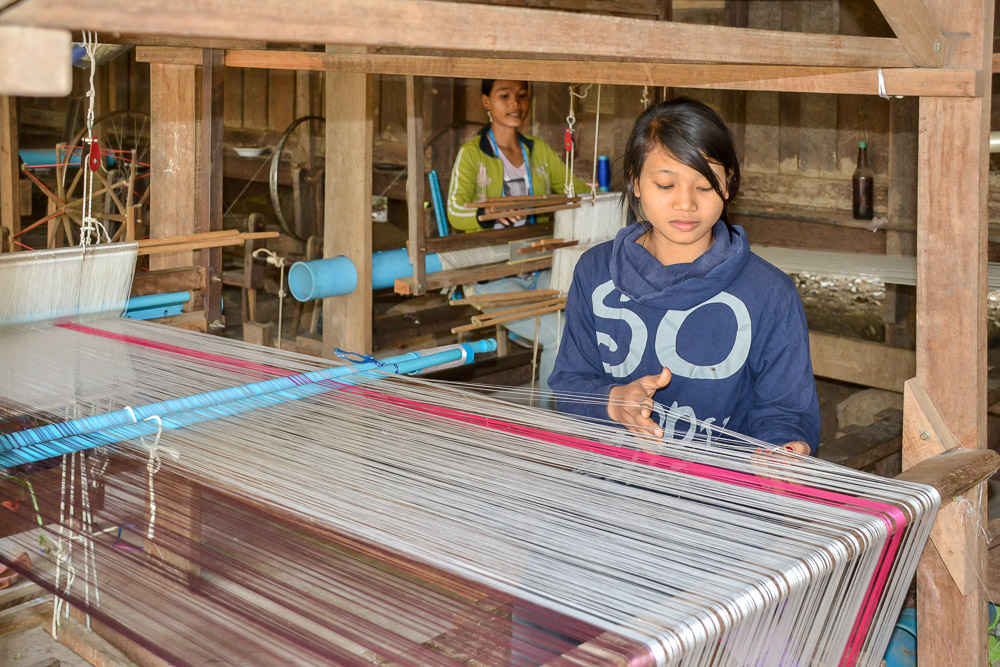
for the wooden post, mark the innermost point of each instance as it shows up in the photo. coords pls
(951, 320)
(10, 196)
(347, 224)
(173, 142)
(208, 207)
(415, 178)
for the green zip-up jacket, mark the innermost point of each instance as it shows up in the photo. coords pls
(478, 174)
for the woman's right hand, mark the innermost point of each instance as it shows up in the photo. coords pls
(505, 222)
(632, 404)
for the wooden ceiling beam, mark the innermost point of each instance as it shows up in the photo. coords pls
(916, 30)
(911, 81)
(458, 26)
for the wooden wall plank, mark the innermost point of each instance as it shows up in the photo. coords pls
(426, 24)
(10, 199)
(255, 99)
(280, 99)
(818, 113)
(233, 97)
(790, 104)
(173, 140)
(763, 109)
(347, 320)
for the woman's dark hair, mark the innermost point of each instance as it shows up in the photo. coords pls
(488, 86)
(693, 134)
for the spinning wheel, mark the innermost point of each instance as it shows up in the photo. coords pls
(120, 200)
(302, 150)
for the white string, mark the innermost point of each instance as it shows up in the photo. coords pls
(881, 85)
(644, 100)
(90, 230)
(597, 135)
(699, 570)
(275, 260)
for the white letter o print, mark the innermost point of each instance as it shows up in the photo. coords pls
(666, 342)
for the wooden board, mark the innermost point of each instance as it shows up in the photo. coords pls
(861, 362)
(797, 78)
(173, 141)
(444, 25)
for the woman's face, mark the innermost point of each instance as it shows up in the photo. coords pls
(680, 204)
(508, 102)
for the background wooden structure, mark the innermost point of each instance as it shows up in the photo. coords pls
(783, 58)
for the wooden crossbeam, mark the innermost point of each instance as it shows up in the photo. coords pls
(430, 24)
(909, 81)
(916, 29)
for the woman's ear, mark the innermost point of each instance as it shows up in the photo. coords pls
(486, 102)
(635, 189)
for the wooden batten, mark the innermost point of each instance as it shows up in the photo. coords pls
(178, 279)
(444, 25)
(35, 62)
(208, 203)
(790, 78)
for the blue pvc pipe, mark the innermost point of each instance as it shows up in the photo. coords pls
(439, 215)
(175, 420)
(34, 157)
(40, 439)
(320, 278)
(156, 300)
(902, 648)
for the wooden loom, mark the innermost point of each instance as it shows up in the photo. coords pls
(234, 574)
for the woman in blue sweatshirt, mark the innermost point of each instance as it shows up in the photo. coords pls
(678, 311)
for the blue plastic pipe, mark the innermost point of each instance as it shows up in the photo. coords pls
(442, 220)
(156, 305)
(320, 278)
(40, 438)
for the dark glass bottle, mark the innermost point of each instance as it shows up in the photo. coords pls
(863, 186)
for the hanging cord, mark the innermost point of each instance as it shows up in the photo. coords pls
(597, 135)
(274, 260)
(153, 467)
(645, 100)
(570, 188)
(91, 229)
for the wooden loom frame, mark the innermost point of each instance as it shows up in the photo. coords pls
(942, 53)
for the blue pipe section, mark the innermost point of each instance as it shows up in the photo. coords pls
(35, 439)
(439, 216)
(335, 276)
(156, 305)
(902, 648)
(33, 157)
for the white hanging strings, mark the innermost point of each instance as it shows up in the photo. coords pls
(91, 230)
(570, 188)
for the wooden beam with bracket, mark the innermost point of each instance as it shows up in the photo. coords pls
(916, 29)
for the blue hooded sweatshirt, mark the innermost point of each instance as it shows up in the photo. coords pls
(729, 326)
